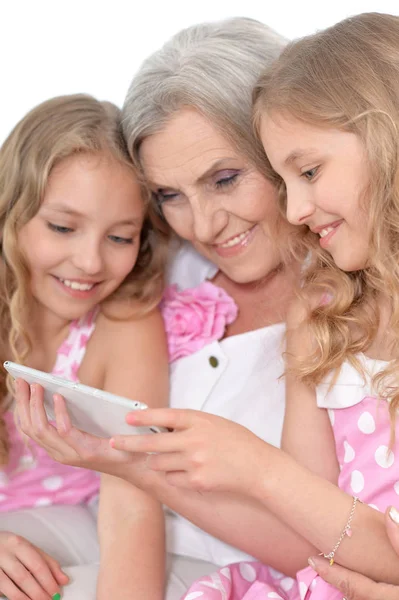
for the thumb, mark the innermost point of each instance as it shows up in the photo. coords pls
(353, 586)
(392, 524)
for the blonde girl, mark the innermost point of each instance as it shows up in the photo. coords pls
(81, 276)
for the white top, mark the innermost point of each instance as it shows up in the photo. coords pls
(349, 386)
(244, 387)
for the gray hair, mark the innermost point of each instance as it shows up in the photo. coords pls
(211, 67)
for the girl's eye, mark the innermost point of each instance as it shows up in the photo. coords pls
(120, 240)
(227, 180)
(310, 173)
(59, 228)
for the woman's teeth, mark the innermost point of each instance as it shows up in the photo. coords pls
(325, 231)
(236, 240)
(75, 285)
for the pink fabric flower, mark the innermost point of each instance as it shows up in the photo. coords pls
(195, 317)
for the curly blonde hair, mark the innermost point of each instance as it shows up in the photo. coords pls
(51, 132)
(347, 77)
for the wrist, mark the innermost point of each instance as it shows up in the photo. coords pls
(268, 482)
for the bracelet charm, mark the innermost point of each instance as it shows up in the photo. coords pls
(347, 531)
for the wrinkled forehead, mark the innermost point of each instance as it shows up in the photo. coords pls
(184, 149)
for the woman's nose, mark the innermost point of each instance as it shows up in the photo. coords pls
(208, 222)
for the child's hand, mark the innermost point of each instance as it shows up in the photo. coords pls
(204, 452)
(355, 586)
(63, 442)
(26, 572)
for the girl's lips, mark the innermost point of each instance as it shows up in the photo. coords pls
(324, 241)
(242, 243)
(76, 293)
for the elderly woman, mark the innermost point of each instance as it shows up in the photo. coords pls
(187, 122)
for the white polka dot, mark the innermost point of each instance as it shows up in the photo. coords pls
(52, 483)
(384, 457)
(3, 479)
(27, 462)
(275, 574)
(287, 583)
(43, 502)
(366, 423)
(357, 481)
(247, 572)
(303, 588)
(274, 595)
(3, 497)
(226, 572)
(375, 507)
(313, 584)
(396, 487)
(331, 414)
(194, 595)
(349, 452)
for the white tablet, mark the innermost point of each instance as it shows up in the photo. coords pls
(94, 411)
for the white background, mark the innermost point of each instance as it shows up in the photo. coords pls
(52, 47)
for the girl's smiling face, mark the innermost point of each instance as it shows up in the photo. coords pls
(85, 237)
(325, 172)
(211, 196)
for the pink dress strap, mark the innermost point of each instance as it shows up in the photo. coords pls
(31, 478)
(71, 353)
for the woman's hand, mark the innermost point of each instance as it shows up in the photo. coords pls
(63, 442)
(204, 452)
(26, 572)
(357, 587)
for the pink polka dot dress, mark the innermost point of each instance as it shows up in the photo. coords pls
(369, 470)
(31, 478)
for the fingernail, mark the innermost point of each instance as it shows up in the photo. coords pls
(56, 596)
(312, 563)
(394, 514)
(112, 443)
(32, 389)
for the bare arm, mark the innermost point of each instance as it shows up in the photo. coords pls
(316, 451)
(131, 523)
(132, 545)
(209, 454)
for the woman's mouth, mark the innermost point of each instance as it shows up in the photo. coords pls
(235, 244)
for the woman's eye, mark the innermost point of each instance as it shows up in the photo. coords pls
(120, 240)
(164, 196)
(59, 228)
(310, 173)
(226, 180)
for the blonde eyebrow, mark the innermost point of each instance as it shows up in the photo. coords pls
(67, 210)
(297, 154)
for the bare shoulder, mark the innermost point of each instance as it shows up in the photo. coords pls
(121, 324)
(134, 353)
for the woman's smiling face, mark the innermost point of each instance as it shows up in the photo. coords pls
(211, 196)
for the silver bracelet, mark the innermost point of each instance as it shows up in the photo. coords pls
(347, 531)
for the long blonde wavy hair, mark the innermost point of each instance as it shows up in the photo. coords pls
(51, 132)
(347, 77)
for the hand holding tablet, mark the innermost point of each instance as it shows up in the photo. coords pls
(91, 410)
